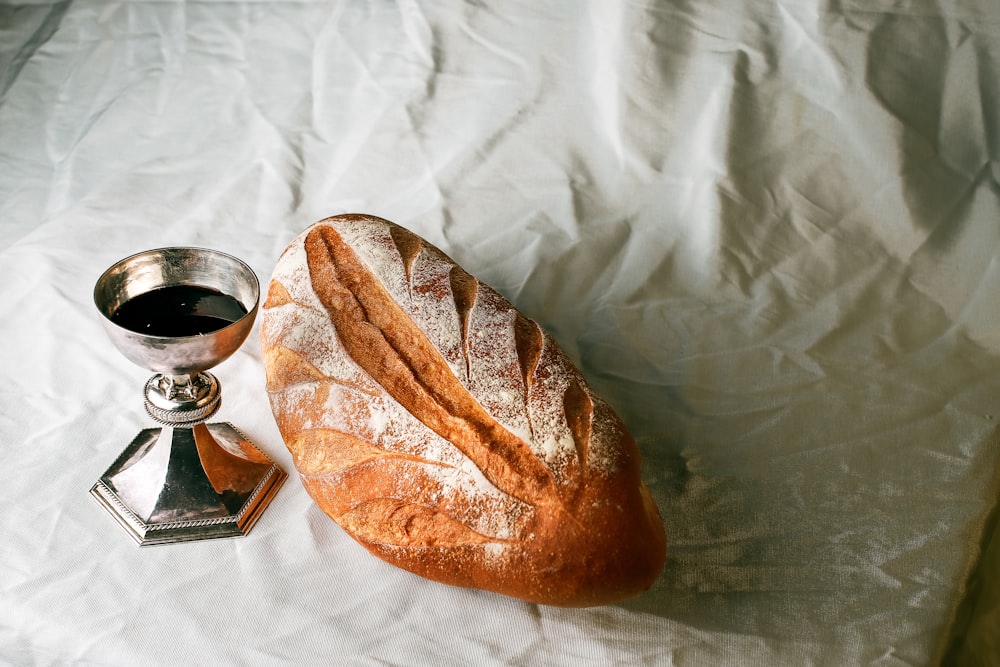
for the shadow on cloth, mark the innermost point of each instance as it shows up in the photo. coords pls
(808, 493)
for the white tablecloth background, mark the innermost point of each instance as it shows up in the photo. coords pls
(768, 231)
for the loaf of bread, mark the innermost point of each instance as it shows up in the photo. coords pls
(445, 431)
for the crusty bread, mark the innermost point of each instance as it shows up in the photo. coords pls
(445, 431)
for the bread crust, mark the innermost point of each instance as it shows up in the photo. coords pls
(445, 431)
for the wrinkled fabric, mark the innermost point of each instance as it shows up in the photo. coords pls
(767, 231)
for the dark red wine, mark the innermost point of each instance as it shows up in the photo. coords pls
(178, 310)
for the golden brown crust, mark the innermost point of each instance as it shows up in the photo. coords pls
(445, 431)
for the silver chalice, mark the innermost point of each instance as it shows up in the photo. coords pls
(179, 312)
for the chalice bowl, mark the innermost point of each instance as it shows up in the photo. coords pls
(179, 312)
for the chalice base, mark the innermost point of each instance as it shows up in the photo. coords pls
(178, 484)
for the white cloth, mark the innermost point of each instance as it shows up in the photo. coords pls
(767, 231)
